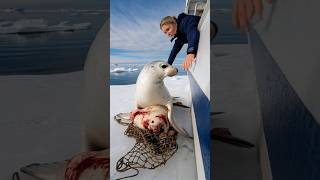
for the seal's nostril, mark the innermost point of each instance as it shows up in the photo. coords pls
(177, 70)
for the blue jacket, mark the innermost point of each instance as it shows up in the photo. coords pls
(187, 32)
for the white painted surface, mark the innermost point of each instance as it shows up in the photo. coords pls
(200, 71)
(291, 33)
(235, 91)
(197, 147)
(201, 68)
(265, 167)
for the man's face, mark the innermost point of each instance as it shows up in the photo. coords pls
(169, 29)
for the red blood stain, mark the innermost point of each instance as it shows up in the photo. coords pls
(145, 123)
(88, 161)
(135, 113)
(157, 128)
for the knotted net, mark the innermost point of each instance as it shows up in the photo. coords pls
(150, 150)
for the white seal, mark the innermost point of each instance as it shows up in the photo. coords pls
(151, 91)
(94, 103)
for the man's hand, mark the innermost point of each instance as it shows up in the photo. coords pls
(188, 61)
(244, 10)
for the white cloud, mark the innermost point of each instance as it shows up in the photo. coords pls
(136, 28)
(140, 35)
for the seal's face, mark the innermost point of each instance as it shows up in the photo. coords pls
(162, 69)
(158, 123)
(168, 69)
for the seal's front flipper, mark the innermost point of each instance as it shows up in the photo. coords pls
(46, 171)
(123, 118)
(181, 102)
(173, 123)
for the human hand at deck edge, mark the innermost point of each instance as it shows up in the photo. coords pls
(244, 10)
(188, 61)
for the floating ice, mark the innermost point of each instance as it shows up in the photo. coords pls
(118, 70)
(123, 69)
(27, 26)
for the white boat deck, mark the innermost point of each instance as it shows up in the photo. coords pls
(232, 162)
(234, 91)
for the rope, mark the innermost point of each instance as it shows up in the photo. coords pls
(129, 176)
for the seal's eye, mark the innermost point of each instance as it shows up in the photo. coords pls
(164, 66)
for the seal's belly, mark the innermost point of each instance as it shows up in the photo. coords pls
(146, 101)
(152, 96)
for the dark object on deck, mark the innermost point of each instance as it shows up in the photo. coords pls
(224, 135)
(215, 113)
(180, 105)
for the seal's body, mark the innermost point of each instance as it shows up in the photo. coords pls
(151, 91)
(150, 88)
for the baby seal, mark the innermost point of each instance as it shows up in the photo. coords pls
(152, 118)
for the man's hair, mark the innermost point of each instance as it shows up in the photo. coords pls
(168, 20)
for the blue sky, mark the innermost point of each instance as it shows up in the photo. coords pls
(135, 35)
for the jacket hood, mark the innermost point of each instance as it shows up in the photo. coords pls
(180, 17)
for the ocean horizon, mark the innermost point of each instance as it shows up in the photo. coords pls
(127, 73)
(27, 45)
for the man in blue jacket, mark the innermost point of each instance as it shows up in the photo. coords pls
(185, 30)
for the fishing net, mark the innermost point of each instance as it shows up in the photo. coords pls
(150, 150)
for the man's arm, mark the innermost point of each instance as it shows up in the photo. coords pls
(175, 50)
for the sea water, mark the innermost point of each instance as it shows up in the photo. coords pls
(47, 52)
(125, 73)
